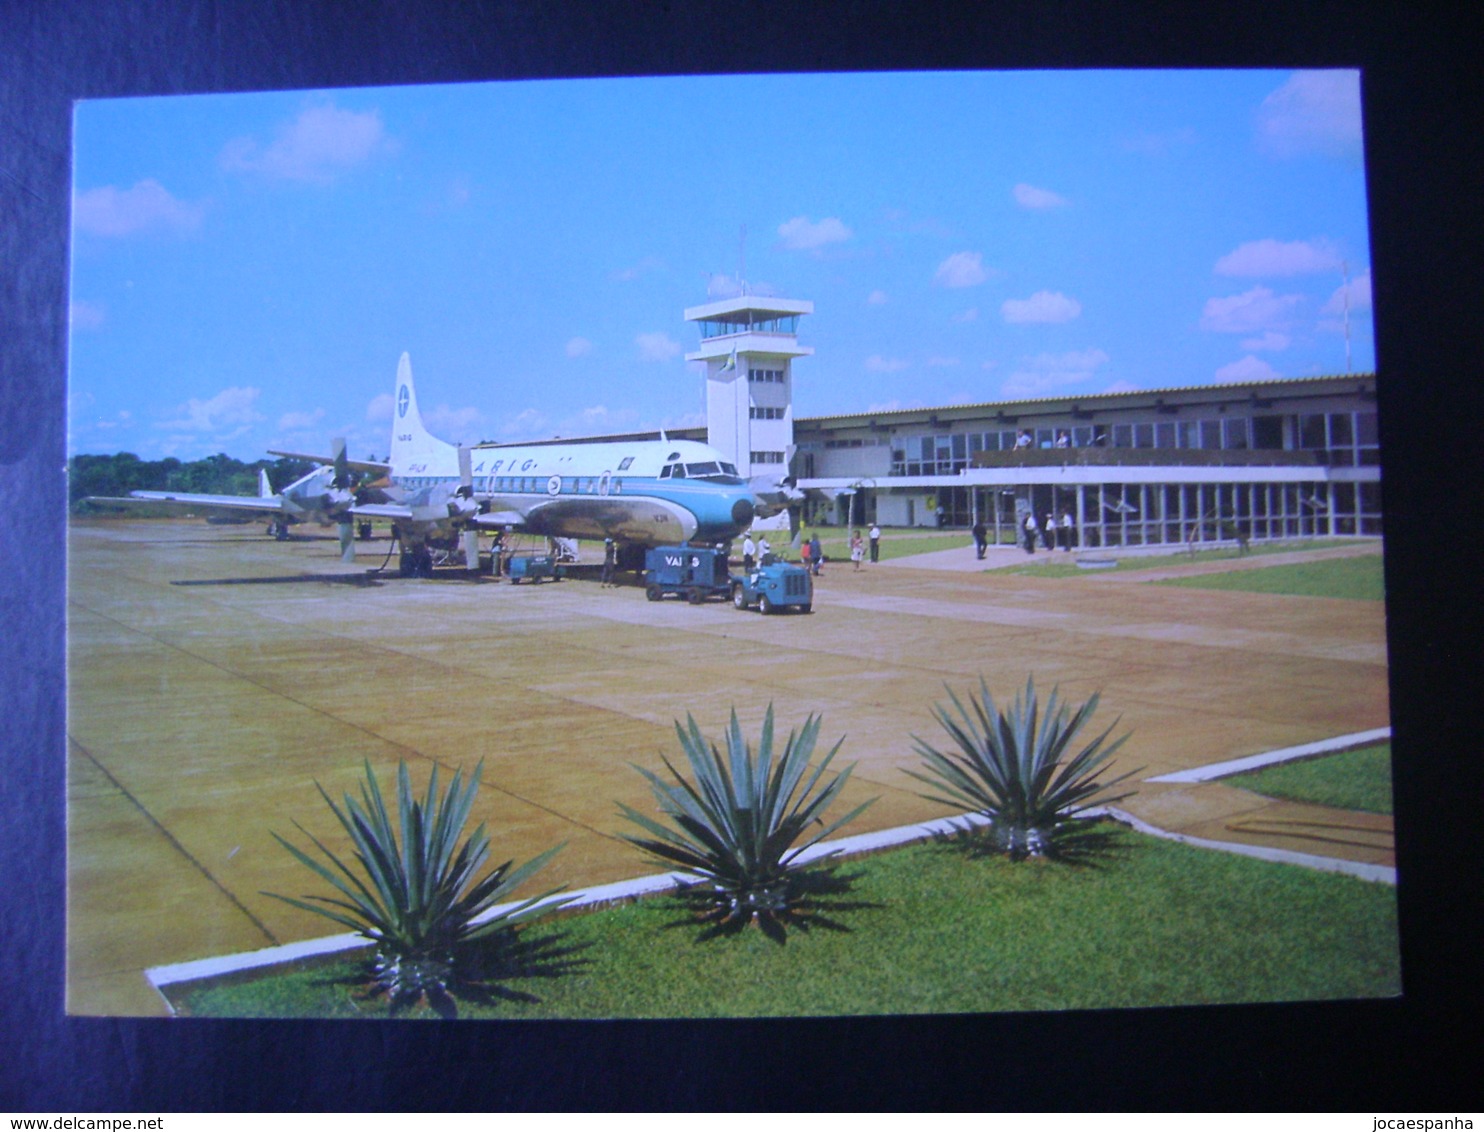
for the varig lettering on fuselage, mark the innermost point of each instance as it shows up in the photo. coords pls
(506, 465)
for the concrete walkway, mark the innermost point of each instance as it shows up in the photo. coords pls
(203, 711)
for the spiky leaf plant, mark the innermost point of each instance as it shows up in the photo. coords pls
(1021, 770)
(740, 823)
(414, 893)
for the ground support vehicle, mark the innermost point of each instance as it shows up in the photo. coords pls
(774, 586)
(532, 568)
(692, 572)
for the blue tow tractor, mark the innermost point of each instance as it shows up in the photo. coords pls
(773, 587)
(697, 573)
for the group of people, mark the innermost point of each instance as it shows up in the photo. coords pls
(1051, 532)
(811, 553)
(1063, 440)
(754, 552)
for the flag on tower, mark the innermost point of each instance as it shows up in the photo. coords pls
(731, 362)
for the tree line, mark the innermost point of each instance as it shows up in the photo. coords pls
(123, 472)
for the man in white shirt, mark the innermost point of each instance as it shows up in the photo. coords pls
(748, 551)
(875, 543)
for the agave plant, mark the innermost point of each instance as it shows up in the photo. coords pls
(740, 826)
(1019, 770)
(415, 895)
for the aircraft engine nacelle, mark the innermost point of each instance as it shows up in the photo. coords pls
(774, 494)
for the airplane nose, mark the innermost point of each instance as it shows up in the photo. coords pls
(742, 512)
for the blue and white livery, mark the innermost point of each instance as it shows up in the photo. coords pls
(639, 493)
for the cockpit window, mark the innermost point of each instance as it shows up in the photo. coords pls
(623, 465)
(667, 471)
(707, 468)
(729, 469)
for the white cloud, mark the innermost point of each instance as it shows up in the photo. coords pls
(230, 408)
(597, 420)
(1028, 196)
(643, 267)
(148, 206)
(1272, 340)
(877, 364)
(578, 347)
(1360, 295)
(1043, 306)
(457, 426)
(1313, 112)
(656, 347)
(1045, 372)
(322, 142)
(1262, 258)
(801, 234)
(961, 269)
(876, 299)
(527, 424)
(86, 316)
(380, 407)
(684, 420)
(1248, 369)
(1251, 312)
(292, 421)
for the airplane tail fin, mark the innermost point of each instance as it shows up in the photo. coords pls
(265, 489)
(414, 450)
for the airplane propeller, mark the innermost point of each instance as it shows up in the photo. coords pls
(340, 499)
(463, 506)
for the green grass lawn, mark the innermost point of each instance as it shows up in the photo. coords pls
(931, 930)
(1359, 579)
(1045, 565)
(1349, 780)
(894, 544)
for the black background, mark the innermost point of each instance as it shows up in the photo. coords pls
(1424, 173)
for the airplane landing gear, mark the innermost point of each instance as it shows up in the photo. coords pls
(415, 563)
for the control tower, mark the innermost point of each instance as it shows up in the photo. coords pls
(748, 343)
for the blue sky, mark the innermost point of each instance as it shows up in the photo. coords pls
(247, 269)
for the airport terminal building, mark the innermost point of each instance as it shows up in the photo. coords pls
(1254, 460)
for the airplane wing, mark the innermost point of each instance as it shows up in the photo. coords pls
(184, 503)
(392, 511)
(370, 467)
(396, 512)
(500, 519)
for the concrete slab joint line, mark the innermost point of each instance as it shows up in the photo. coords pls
(161, 977)
(1273, 758)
